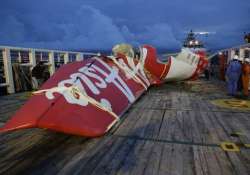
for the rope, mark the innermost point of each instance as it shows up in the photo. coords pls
(86, 97)
(128, 71)
(165, 67)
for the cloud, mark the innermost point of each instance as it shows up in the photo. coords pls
(85, 28)
(94, 30)
(92, 24)
(160, 35)
(12, 30)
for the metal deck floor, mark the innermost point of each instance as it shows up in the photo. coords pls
(172, 129)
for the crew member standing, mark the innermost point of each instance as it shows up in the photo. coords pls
(37, 75)
(222, 65)
(207, 71)
(240, 86)
(233, 75)
(246, 76)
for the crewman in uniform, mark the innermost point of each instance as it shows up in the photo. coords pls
(246, 76)
(233, 74)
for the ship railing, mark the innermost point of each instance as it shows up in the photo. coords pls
(29, 57)
(242, 51)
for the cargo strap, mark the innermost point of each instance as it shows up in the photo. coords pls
(164, 71)
(74, 90)
(129, 72)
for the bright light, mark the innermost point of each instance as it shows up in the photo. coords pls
(196, 42)
(191, 42)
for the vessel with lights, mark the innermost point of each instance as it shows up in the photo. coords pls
(193, 44)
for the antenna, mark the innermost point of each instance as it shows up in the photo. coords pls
(200, 32)
(204, 33)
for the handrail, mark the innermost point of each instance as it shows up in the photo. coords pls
(32, 60)
(4, 84)
(244, 46)
(41, 50)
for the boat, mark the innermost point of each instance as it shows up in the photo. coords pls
(89, 97)
(192, 43)
(185, 65)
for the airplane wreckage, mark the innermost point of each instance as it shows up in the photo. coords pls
(88, 97)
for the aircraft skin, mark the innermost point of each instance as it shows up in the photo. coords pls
(88, 97)
(186, 65)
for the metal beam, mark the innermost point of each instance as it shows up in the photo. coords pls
(8, 70)
(66, 57)
(79, 56)
(52, 63)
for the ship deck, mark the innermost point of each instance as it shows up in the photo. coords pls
(172, 129)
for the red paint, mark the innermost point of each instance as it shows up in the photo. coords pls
(202, 64)
(222, 66)
(66, 110)
(152, 64)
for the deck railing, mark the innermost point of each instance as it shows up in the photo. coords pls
(30, 57)
(242, 51)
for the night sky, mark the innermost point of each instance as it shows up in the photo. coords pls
(100, 24)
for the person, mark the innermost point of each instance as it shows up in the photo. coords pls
(222, 65)
(37, 75)
(246, 76)
(233, 74)
(240, 84)
(207, 71)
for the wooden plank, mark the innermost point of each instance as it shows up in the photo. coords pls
(143, 123)
(239, 167)
(25, 154)
(115, 158)
(187, 128)
(91, 151)
(10, 103)
(153, 163)
(10, 107)
(200, 162)
(130, 120)
(160, 134)
(6, 116)
(55, 163)
(131, 159)
(212, 128)
(146, 123)
(167, 126)
(142, 157)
